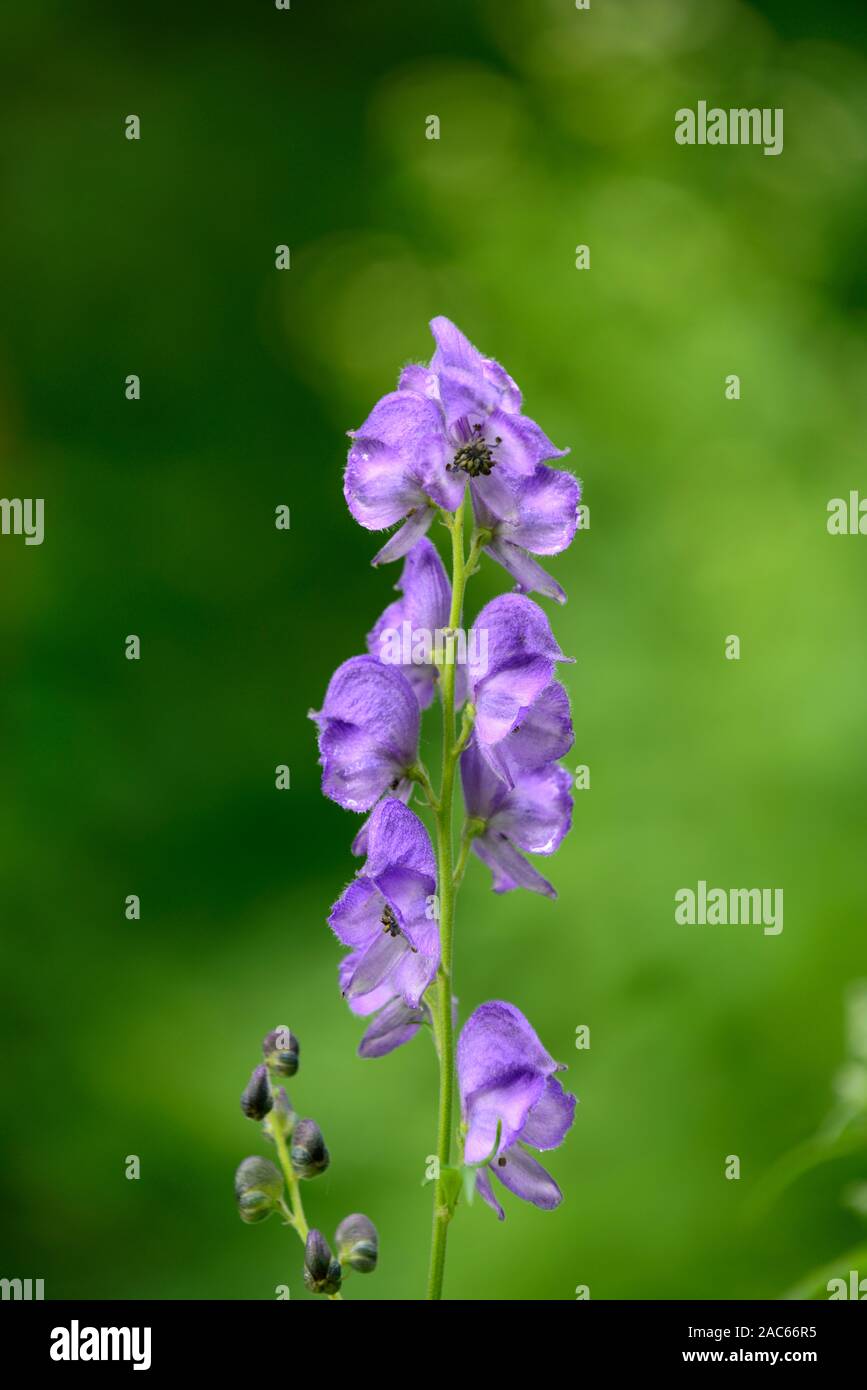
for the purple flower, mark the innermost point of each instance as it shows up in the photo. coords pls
(368, 733)
(507, 1079)
(385, 915)
(480, 406)
(507, 683)
(454, 422)
(532, 815)
(405, 635)
(538, 514)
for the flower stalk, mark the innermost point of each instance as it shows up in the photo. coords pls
(448, 885)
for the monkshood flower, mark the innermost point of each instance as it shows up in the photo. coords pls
(455, 421)
(383, 916)
(533, 816)
(538, 514)
(518, 669)
(507, 1084)
(368, 733)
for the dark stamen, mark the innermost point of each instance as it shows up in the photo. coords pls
(475, 458)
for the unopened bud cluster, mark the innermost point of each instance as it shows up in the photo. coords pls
(261, 1188)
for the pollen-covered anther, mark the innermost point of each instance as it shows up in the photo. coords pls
(475, 457)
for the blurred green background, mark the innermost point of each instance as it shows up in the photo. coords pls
(708, 518)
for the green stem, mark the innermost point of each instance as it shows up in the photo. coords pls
(445, 875)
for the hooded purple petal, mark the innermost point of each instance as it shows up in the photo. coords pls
(509, 394)
(408, 626)
(518, 631)
(397, 839)
(496, 1041)
(465, 396)
(368, 732)
(454, 350)
(402, 792)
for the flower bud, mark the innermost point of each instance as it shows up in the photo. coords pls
(282, 1117)
(258, 1188)
(309, 1154)
(357, 1243)
(256, 1098)
(322, 1273)
(254, 1207)
(280, 1050)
